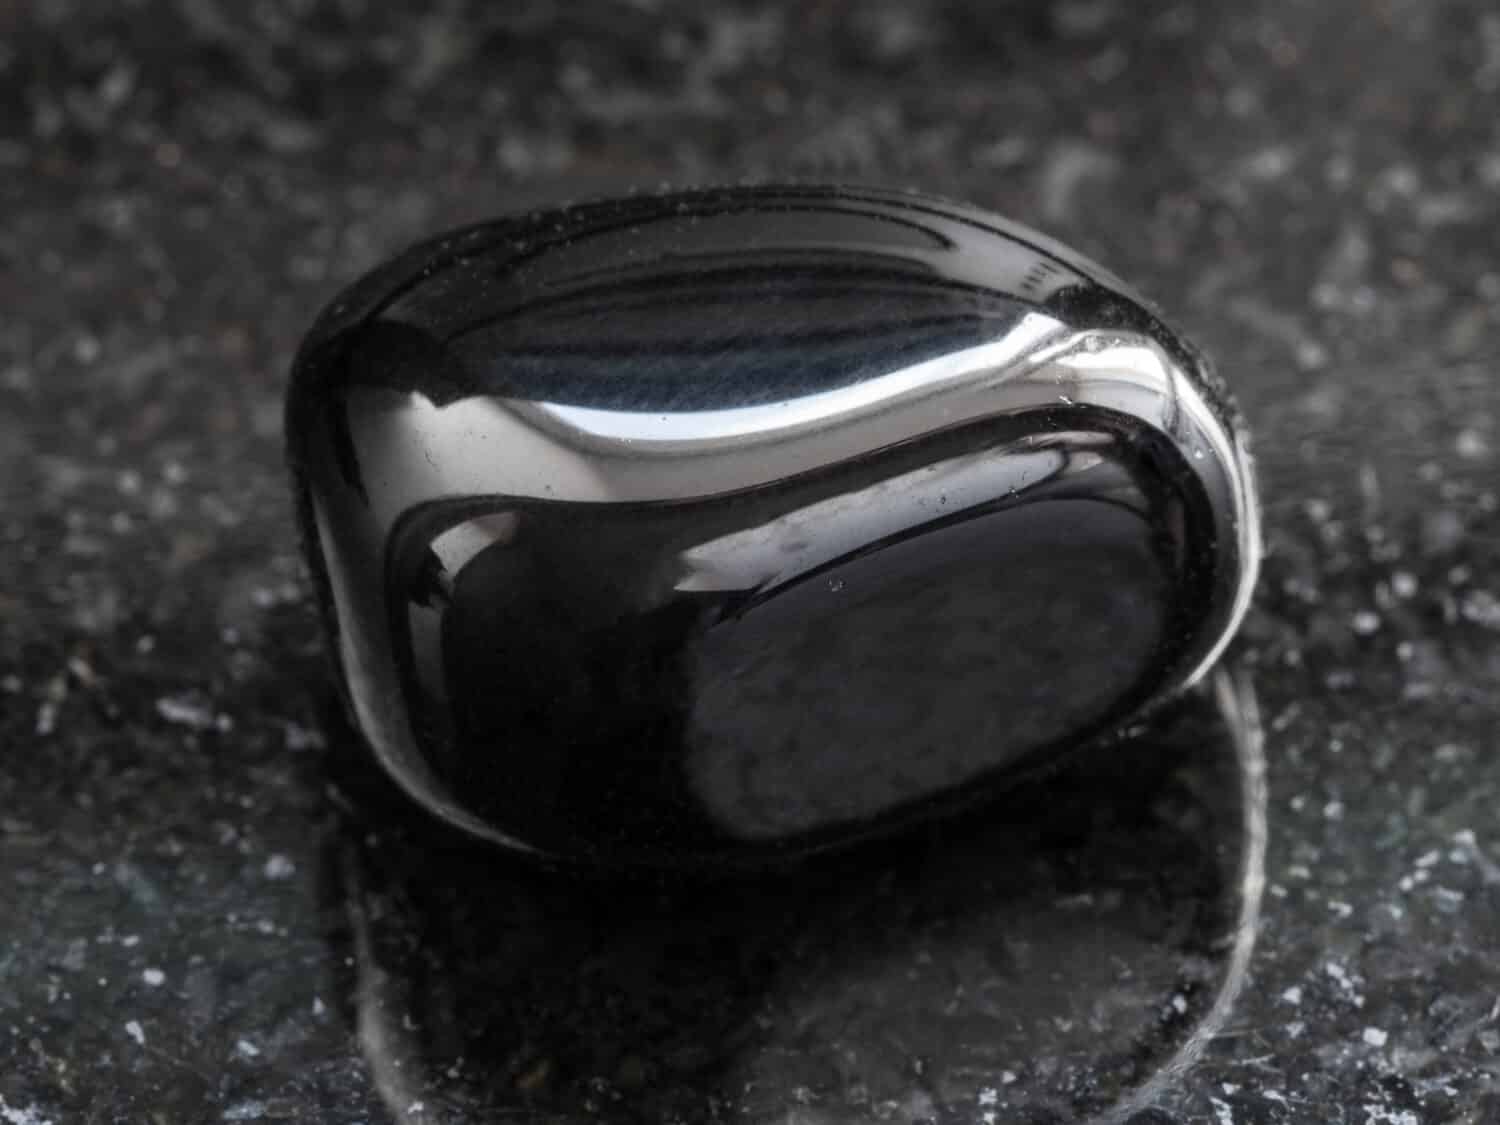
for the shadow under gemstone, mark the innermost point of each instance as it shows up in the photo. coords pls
(1054, 956)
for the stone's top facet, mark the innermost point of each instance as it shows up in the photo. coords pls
(713, 298)
(706, 528)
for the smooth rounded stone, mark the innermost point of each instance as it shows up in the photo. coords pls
(710, 528)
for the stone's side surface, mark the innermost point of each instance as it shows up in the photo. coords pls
(701, 528)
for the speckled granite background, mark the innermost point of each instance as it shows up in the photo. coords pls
(209, 910)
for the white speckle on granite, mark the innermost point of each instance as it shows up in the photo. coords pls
(246, 1049)
(185, 711)
(31, 1115)
(135, 1031)
(1292, 995)
(1375, 1037)
(1488, 868)
(1471, 445)
(154, 977)
(86, 348)
(1448, 900)
(302, 738)
(1223, 1114)
(1482, 608)
(76, 956)
(1376, 1114)
(1345, 982)
(1311, 355)
(279, 867)
(82, 671)
(1069, 167)
(245, 1111)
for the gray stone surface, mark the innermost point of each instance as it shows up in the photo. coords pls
(208, 911)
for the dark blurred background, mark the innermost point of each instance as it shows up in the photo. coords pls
(1311, 187)
(1307, 184)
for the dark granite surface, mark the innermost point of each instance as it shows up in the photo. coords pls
(210, 909)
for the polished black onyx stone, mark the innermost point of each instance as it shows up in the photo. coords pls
(710, 528)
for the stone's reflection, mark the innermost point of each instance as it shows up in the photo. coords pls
(1063, 952)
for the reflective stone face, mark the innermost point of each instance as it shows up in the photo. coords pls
(711, 528)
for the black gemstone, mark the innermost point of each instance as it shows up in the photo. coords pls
(709, 528)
